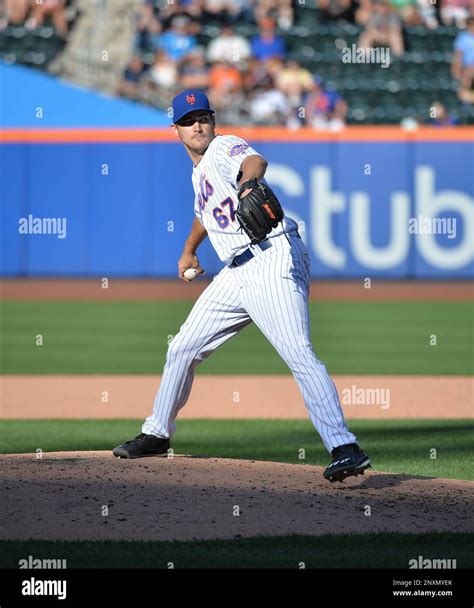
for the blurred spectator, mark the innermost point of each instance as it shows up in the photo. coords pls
(406, 10)
(281, 10)
(227, 11)
(383, 28)
(269, 106)
(273, 66)
(294, 81)
(215, 10)
(335, 10)
(462, 67)
(255, 76)
(463, 58)
(160, 83)
(364, 12)
(163, 73)
(230, 107)
(147, 24)
(455, 12)
(224, 78)
(226, 91)
(439, 116)
(176, 41)
(189, 7)
(228, 46)
(13, 11)
(194, 73)
(129, 86)
(170, 10)
(267, 43)
(325, 110)
(243, 11)
(49, 9)
(466, 89)
(427, 12)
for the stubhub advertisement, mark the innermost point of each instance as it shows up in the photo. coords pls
(401, 209)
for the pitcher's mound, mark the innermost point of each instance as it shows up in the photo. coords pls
(94, 496)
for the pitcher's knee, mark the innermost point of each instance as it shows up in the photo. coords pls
(303, 360)
(179, 348)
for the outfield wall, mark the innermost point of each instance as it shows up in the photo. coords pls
(127, 200)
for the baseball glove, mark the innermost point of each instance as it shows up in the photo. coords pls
(259, 211)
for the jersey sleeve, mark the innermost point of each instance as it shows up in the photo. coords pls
(230, 153)
(198, 211)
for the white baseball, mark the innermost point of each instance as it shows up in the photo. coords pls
(190, 273)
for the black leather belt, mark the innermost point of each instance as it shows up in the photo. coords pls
(248, 254)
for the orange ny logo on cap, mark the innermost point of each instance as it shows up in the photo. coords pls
(191, 99)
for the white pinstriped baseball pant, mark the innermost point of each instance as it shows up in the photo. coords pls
(272, 291)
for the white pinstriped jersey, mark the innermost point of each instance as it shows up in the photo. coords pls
(214, 180)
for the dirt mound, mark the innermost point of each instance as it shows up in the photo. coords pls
(94, 496)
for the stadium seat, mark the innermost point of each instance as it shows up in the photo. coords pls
(246, 30)
(15, 31)
(35, 58)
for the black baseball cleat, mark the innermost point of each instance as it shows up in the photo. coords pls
(142, 445)
(347, 460)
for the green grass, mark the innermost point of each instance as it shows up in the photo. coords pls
(132, 337)
(397, 446)
(345, 551)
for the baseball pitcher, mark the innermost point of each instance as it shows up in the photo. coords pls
(265, 280)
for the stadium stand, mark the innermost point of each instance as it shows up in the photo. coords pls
(144, 62)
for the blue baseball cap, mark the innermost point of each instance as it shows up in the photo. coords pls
(189, 101)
